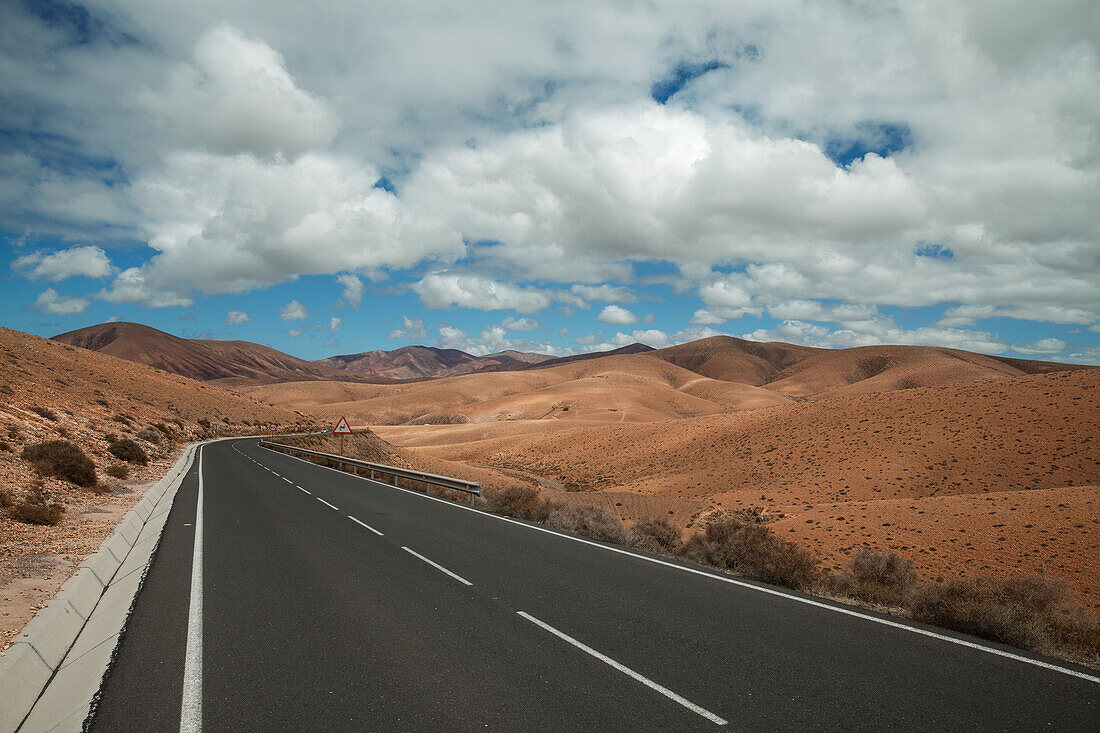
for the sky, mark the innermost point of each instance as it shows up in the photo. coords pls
(555, 177)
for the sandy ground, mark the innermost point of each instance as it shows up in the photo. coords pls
(994, 476)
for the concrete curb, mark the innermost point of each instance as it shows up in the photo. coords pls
(53, 671)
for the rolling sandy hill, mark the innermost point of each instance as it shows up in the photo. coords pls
(988, 476)
(418, 362)
(732, 359)
(201, 359)
(53, 391)
(625, 388)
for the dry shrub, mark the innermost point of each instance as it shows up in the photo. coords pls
(596, 522)
(118, 470)
(523, 502)
(6, 499)
(44, 412)
(62, 459)
(877, 577)
(656, 534)
(754, 551)
(1028, 611)
(36, 509)
(150, 435)
(129, 451)
(6, 446)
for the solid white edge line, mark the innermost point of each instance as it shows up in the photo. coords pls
(437, 566)
(740, 583)
(364, 524)
(191, 709)
(301, 489)
(330, 506)
(627, 671)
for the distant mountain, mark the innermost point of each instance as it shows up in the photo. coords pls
(201, 359)
(427, 362)
(634, 348)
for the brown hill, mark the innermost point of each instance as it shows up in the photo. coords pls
(992, 477)
(736, 360)
(53, 391)
(195, 358)
(419, 362)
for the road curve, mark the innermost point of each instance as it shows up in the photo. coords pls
(334, 603)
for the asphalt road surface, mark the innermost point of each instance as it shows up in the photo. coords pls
(327, 602)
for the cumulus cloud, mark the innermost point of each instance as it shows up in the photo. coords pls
(139, 285)
(881, 331)
(1045, 346)
(616, 314)
(334, 324)
(604, 293)
(442, 290)
(235, 318)
(52, 302)
(492, 340)
(352, 293)
(293, 311)
(236, 96)
(519, 324)
(86, 261)
(413, 328)
(295, 332)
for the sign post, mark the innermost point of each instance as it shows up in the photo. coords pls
(342, 429)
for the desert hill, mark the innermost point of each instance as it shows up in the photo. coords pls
(978, 477)
(201, 359)
(418, 362)
(735, 360)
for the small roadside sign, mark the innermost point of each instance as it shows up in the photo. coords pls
(342, 429)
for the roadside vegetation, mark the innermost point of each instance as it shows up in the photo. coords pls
(1032, 612)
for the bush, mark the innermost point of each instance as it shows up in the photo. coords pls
(118, 470)
(523, 502)
(44, 412)
(35, 509)
(656, 534)
(1029, 611)
(5, 446)
(129, 451)
(6, 499)
(885, 578)
(591, 521)
(164, 429)
(62, 459)
(754, 551)
(150, 435)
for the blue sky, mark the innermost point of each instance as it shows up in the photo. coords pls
(556, 179)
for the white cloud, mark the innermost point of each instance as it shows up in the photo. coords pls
(50, 301)
(293, 311)
(353, 289)
(879, 331)
(413, 328)
(704, 317)
(331, 344)
(137, 285)
(615, 314)
(295, 332)
(335, 323)
(87, 261)
(604, 293)
(235, 318)
(520, 324)
(442, 290)
(1041, 347)
(237, 97)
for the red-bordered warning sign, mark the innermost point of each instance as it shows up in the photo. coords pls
(342, 427)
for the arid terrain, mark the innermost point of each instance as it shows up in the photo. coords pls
(52, 391)
(964, 463)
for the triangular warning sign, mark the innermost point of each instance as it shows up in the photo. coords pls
(342, 427)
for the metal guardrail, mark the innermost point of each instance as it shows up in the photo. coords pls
(473, 488)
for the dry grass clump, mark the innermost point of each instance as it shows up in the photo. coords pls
(885, 578)
(129, 451)
(150, 435)
(1028, 611)
(596, 522)
(118, 470)
(62, 459)
(754, 551)
(44, 412)
(523, 502)
(656, 534)
(35, 508)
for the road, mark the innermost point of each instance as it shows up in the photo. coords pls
(329, 602)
